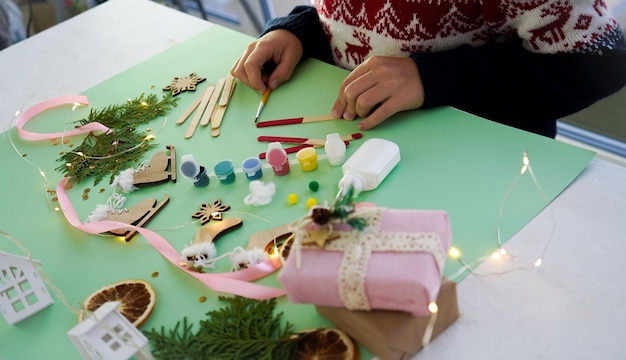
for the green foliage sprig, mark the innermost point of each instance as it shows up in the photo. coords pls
(116, 150)
(244, 329)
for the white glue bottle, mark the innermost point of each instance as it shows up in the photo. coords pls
(368, 166)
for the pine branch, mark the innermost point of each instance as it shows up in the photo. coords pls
(132, 113)
(244, 329)
(174, 345)
(118, 149)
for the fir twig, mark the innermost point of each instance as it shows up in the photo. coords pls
(244, 329)
(116, 150)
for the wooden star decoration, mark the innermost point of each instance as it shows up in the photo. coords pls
(187, 83)
(319, 236)
(208, 212)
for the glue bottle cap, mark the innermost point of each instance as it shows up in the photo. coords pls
(335, 149)
(351, 180)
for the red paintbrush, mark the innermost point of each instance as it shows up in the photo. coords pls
(299, 120)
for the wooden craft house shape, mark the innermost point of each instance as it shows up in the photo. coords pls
(107, 334)
(22, 292)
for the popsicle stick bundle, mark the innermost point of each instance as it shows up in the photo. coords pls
(209, 107)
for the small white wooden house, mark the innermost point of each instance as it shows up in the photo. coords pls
(22, 292)
(107, 334)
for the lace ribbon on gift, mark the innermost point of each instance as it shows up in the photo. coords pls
(358, 247)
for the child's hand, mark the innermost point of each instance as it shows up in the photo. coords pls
(378, 88)
(279, 47)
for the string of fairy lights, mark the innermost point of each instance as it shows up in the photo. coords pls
(454, 253)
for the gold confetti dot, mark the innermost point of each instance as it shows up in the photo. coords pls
(65, 141)
(68, 186)
(155, 274)
(87, 190)
(61, 152)
(202, 299)
(102, 190)
(71, 145)
(182, 263)
(55, 143)
(85, 197)
(55, 199)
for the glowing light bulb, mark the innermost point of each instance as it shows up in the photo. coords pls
(454, 253)
(42, 173)
(525, 163)
(498, 254)
(143, 103)
(17, 113)
(273, 254)
(433, 308)
(538, 262)
(150, 137)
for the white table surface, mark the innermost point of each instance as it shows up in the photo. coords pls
(569, 308)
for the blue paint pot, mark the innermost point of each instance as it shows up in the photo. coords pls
(225, 172)
(252, 168)
(202, 179)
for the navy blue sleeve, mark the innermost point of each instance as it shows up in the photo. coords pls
(508, 84)
(304, 22)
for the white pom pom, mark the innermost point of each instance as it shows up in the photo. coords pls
(242, 258)
(261, 193)
(201, 254)
(99, 213)
(125, 180)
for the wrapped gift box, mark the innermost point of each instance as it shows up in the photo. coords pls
(393, 335)
(395, 263)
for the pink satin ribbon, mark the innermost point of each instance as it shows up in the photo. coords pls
(27, 115)
(236, 283)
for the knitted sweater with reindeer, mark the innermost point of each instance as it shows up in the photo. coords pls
(524, 63)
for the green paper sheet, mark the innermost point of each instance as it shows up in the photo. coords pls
(450, 160)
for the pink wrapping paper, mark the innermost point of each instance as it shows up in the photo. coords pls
(394, 280)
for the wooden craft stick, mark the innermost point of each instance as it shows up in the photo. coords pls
(229, 86)
(300, 120)
(196, 118)
(210, 108)
(189, 110)
(216, 119)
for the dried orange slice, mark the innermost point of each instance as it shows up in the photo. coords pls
(327, 344)
(137, 298)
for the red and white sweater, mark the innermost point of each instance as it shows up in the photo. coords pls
(360, 29)
(523, 63)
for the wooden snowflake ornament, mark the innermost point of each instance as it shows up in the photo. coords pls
(212, 211)
(181, 84)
